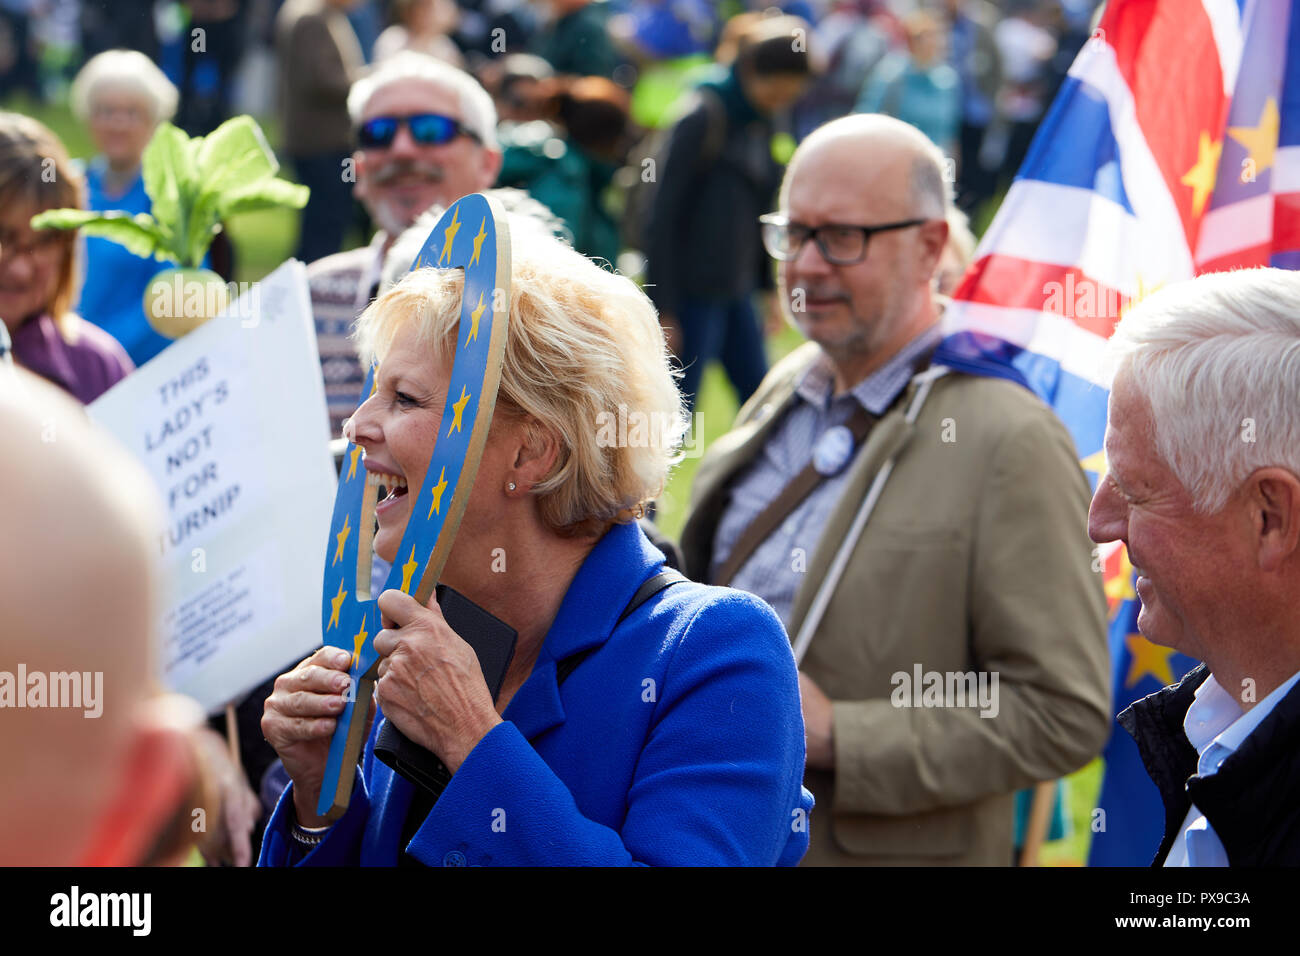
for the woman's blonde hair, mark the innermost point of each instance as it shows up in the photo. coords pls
(585, 359)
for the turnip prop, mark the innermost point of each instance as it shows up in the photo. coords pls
(193, 184)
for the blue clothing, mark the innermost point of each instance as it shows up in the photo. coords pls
(678, 741)
(726, 331)
(928, 99)
(112, 295)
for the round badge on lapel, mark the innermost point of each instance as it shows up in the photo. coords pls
(833, 450)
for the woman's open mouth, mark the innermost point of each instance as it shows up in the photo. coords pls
(391, 490)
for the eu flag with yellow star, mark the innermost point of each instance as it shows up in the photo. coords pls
(1172, 149)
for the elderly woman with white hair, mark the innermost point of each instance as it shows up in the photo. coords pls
(122, 97)
(628, 729)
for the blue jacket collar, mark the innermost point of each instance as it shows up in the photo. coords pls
(619, 563)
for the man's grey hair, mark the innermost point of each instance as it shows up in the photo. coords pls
(1218, 360)
(929, 180)
(478, 113)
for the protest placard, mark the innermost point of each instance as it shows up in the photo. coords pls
(230, 421)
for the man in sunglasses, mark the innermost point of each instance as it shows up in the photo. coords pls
(425, 135)
(952, 650)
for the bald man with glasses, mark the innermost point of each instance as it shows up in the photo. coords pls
(921, 533)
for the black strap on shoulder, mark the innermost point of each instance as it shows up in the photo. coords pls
(645, 592)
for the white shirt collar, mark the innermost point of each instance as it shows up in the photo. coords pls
(1216, 725)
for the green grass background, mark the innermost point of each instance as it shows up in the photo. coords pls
(263, 240)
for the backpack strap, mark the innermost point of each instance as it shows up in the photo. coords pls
(645, 592)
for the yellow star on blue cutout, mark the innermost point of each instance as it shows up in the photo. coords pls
(474, 317)
(342, 538)
(478, 242)
(449, 236)
(408, 570)
(336, 603)
(438, 489)
(459, 407)
(358, 641)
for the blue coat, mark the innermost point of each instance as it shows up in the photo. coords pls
(679, 741)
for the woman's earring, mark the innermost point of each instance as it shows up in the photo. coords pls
(510, 486)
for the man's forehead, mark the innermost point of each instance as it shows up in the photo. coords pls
(848, 180)
(413, 96)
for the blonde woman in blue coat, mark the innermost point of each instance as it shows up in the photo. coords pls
(670, 735)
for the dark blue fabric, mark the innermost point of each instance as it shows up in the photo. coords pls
(727, 331)
(328, 213)
(678, 741)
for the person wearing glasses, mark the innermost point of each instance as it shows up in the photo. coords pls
(973, 568)
(38, 270)
(425, 135)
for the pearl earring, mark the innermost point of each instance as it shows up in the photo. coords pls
(510, 487)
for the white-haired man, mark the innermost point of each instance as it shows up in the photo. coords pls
(426, 135)
(960, 655)
(1203, 488)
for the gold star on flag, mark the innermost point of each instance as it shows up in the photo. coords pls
(408, 569)
(342, 537)
(474, 317)
(1148, 658)
(1201, 176)
(438, 489)
(478, 242)
(1261, 140)
(336, 602)
(1143, 290)
(358, 640)
(449, 236)
(1095, 463)
(459, 406)
(352, 467)
(1119, 586)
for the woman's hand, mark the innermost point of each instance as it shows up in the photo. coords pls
(430, 684)
(300, 718)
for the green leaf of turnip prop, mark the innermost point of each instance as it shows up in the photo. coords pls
(138, 234)
(169, 180)
(264, 195)
(192, 184)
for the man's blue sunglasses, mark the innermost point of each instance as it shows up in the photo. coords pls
(427, 129)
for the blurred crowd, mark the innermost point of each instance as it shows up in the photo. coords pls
(592, 106)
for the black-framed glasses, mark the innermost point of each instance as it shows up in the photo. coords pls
(840, 244)
(427, 129)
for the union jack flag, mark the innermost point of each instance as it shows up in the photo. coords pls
(1172, 149)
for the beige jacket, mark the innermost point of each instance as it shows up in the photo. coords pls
(976, 559)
